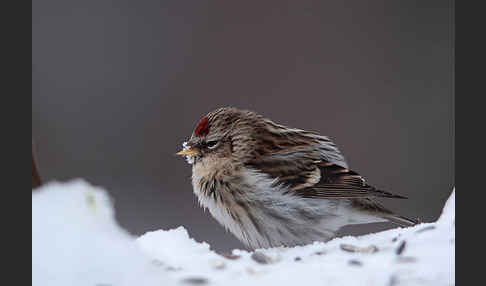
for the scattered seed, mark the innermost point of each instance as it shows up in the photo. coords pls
(348, 247)
(157, 262)
(172, 268)
(430, 227)
(370, 249)
(261, 258)
(297, 258)
(195, 280)
(218, 264)
(396, 237)
(401, 247)
(353, 248)
(393, 280)
(231, 256)
(355, 262)
(406, 259)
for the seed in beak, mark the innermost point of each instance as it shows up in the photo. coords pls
(188, 152)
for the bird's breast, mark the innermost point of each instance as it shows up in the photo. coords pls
(262, 214)
(216, 194)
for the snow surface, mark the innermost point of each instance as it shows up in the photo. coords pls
(76, 241)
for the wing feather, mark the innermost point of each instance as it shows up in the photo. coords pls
(314, 169)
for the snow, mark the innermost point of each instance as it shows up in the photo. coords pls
(76, 241)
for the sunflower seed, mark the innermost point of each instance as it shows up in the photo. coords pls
(393, 280)
(261, 258)
(353, 248)
(355, 262)
(195, 280)
(218, 264)
(401, 247)
(157, 262)
(406, 259)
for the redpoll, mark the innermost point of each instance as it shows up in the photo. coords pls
(271, 185)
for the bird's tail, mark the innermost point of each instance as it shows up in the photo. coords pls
(389, 215)
(401, 220)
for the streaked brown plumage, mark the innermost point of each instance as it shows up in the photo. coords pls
(271, 185)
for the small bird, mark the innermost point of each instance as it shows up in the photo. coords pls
(271, 185)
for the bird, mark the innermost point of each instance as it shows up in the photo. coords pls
(271, 185)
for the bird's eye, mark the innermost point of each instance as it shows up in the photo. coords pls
(211, 144)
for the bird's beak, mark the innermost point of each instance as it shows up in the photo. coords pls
(189, 152)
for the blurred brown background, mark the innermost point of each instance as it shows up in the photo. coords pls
(118, 85)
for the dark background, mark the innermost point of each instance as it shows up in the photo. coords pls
(117, 86)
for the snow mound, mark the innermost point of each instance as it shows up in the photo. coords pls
(76, 241)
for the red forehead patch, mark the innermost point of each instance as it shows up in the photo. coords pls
(202, 128)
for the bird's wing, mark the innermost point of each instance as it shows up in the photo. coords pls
(316, 171)
(338, 182)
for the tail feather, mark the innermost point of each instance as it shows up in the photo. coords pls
(371, 205)
(384, 194)
(401, 220)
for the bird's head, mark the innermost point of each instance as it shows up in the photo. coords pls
(216, 134)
